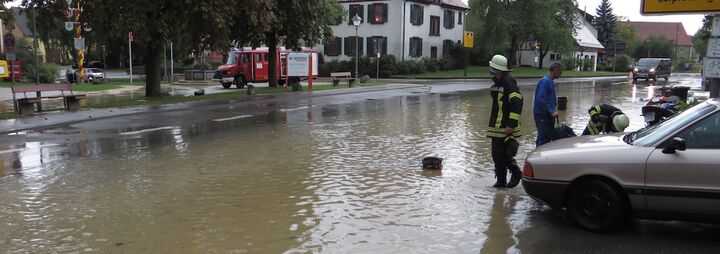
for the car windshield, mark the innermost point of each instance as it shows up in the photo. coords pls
(646, 62)
(653, 134)
(232, 58)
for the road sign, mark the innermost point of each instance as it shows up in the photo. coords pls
(79, 43)
(298, 64)
(469, 39)
(675, 6)
(712, 67)
(716, 27)
(69, 26)
(713, 47)
(10, 57)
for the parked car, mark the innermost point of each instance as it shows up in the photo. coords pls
(670, 170)
(94, 75)
(652, 68)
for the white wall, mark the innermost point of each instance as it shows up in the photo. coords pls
(393, 30)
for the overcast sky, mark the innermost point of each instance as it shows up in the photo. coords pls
(630, 9)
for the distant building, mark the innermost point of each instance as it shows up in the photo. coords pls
(674, 31)
(586, 44)
(409, 30)
(21, 29)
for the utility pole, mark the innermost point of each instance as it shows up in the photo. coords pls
(37, 58)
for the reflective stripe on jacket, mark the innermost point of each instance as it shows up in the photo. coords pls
(506, 107)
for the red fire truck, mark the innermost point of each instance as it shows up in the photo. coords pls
(248, 65)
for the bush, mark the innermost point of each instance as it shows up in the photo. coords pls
(588, 64)
(568, 63)
(623, 63)
(48, 72)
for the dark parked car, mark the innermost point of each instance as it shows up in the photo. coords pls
(652, 68)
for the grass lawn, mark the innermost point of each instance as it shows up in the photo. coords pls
(85, 87)
(214, 97)
(519, 72)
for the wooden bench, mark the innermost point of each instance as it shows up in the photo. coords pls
(26, 104)
(337, 76)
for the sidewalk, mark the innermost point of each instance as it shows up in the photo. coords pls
(56, 118)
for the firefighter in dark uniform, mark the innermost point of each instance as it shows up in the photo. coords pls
(504, 127)
(606, 119)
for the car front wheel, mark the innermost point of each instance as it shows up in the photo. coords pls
(597, 206)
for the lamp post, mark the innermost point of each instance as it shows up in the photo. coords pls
(648, 45)
(356, 22)
(104, 65)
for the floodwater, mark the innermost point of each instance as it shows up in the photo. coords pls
(342, 178)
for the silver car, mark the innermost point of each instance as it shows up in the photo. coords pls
(669, 171)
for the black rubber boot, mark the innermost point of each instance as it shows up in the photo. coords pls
(501, 179)
(515, 176)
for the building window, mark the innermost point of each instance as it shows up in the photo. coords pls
(378, 13)
(433, 52)
(415, 47)
(449, 21)
(356, 8)
(376, 44)
(555, 57)
(416, 14)
(350, 46)
(447, 47)
(332, 47)
(434, 25)
(460, 17)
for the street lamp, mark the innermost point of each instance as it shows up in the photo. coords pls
(648, 45)
(356, 22)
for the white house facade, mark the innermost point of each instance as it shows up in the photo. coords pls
(586, 43)
(407, 29)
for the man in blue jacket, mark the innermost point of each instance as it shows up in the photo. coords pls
(544, 106)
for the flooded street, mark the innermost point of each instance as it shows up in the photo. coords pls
(315, 175)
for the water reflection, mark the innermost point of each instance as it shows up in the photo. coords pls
(340, 178)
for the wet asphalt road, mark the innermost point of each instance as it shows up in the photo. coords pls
(507, 221)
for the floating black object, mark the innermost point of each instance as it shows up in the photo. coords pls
(562, 103)
(200, 92)
(432, 163)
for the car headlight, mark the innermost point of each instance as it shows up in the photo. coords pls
(652, 69)
(635, 70)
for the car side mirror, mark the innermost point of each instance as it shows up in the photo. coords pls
(676, 144)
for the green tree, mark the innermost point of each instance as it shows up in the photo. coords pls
(292, 23)
(701, 37)
(198, 22)
(605, 23)
(654, 47)
(554, 26)
(550, 22)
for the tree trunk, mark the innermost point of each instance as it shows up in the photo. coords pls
(152, 69)
(511, 52)
(272, 69)
(543, 53)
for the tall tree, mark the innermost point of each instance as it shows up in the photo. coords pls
(701, 37)
(554, 26)
(551, 22)
(201, 22)
(605, 23)
(292, 23)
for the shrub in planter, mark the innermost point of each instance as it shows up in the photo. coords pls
(48, 73)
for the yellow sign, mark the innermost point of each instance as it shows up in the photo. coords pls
(679, 6)
(4, 73)
(469, 39)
